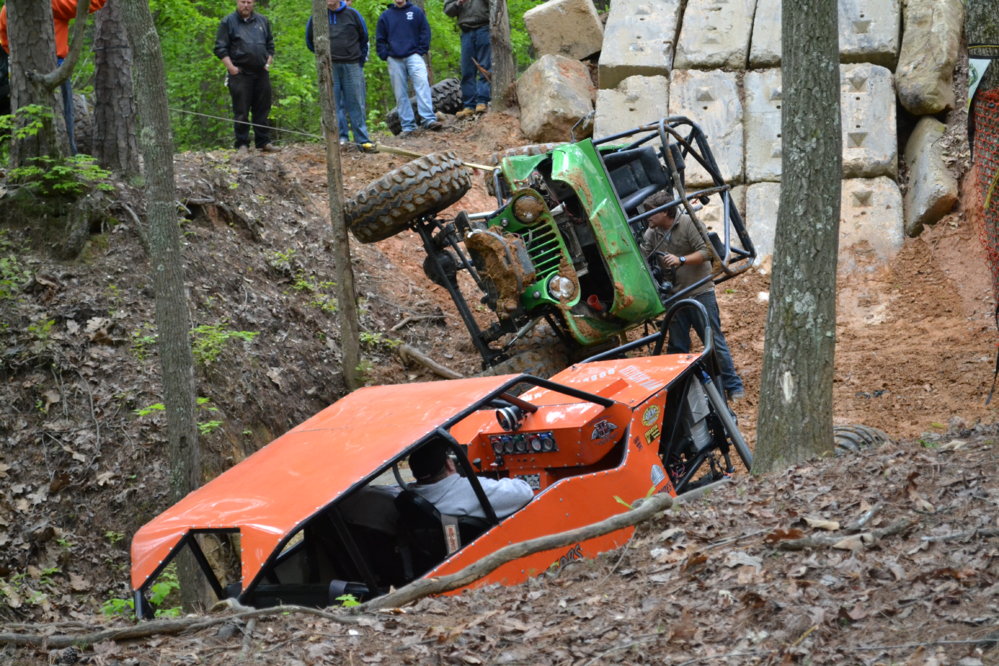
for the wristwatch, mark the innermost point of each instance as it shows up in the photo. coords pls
(682, 259)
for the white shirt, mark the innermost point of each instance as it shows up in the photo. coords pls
(453, 495)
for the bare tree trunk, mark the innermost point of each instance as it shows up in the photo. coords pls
(981, 26)
(32, 56)
(504, 71)
(166, 262)
(115, 145)
(795, 417)
(350, 345)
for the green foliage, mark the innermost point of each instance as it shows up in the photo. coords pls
(41, 330)
(378, 340)
(159, 594)
(318, 288)
(211, 339)
(146, 411)
(62, 176)
(348, 600)
(113, 537)
(13, 275)
(142, 340)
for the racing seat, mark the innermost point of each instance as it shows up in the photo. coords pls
(636, 174)
(426, 536)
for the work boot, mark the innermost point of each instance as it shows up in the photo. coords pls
(269, 148)
(433, 126)
(242, 151)
(465, 113)
(481, 108)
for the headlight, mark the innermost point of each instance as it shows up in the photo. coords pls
(561, 288)
(528, 208)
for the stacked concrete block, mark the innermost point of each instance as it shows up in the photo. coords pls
(712, 216)
(711, 99)
(555, 93)
(763, 125)
(932, 189)
(930, 44)
(715, 34)
(637, 100)
(867, 106)
(870, 225)
(569, 28)
(869, 31)
(765, 49)
(638, 40)
(762, 203)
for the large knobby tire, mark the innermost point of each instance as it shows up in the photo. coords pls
(425, 186)
(855, 438)
(445, 96)
(519, 151)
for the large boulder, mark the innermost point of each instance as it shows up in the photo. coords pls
(570, 28)
(932, 188)
(554, 94)
(930, 44)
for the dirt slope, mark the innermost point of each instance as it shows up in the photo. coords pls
(81, 470)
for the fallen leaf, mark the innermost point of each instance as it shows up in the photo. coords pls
(822, 524)
(783, 535)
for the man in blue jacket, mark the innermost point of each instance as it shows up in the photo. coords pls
(402, 38)
(348, 51)
(245, 46)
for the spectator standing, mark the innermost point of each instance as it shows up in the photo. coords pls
(63, 11)
(402, 38)
(348, 52)
(245, 46)
(476, 52)
(675, 243)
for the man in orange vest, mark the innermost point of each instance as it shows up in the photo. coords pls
(63, 11)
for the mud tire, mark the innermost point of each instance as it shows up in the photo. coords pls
(850, 439)
(425, 186)
(519, 151)
(445, 96)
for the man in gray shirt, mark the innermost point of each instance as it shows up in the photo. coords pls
(438, 481)
(674, 242)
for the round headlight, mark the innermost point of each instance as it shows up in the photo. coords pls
(561, 287)
(528, 208)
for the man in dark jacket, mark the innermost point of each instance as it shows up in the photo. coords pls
(245, 46)
(476, 51)
(348, 51)
(402, 38)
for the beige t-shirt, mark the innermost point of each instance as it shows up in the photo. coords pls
(681, 239)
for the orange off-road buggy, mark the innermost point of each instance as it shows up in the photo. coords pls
(319, 513)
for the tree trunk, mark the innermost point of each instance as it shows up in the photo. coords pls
(115, 145)
(166, 263)
(504, 71)
(32, 56)
(795, 417)
(350, 345)
(981, 26)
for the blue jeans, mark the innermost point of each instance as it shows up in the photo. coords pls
(67, 111)
(402, 71)
(475, 87)
(348, 86)
(679, 337)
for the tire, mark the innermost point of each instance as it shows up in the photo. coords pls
(519, 151)
(425, 186)
(854, 438)
(445, 96)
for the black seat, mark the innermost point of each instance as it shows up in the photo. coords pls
(426, 536)
(636, 174)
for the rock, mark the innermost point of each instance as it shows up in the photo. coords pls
(870, 223)
(712, 100)
(636, 101)
(930, 44)
(569, 28)
(762, 203)
(867, 107)
(765, 50)
(868, 31)
(554, 93)
(932, 189)
(763, 125)
(715, 34)
(638, 40)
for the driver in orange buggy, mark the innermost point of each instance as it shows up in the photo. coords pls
(438, 482)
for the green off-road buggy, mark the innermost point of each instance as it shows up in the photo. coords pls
(558, 261)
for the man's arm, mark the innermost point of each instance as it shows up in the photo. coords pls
(309, 44)
(424, 41)
(362, 29)
(381, 38)
(453, 7)
(269, 44)
(507, 495)
(3, 29)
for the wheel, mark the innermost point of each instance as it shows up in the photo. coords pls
(519, 151)
(854, 438)
(425, 186)
(445, 96)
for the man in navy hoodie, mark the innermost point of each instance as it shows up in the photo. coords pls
(348, 51)
(402, 38)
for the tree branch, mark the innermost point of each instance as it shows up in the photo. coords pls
(834, 540)
(61, 73)
(409, 353)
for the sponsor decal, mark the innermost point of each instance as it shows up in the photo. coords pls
(603, 429)
(658, 474)
(651, 434)
(574, 553)
(651, 415)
